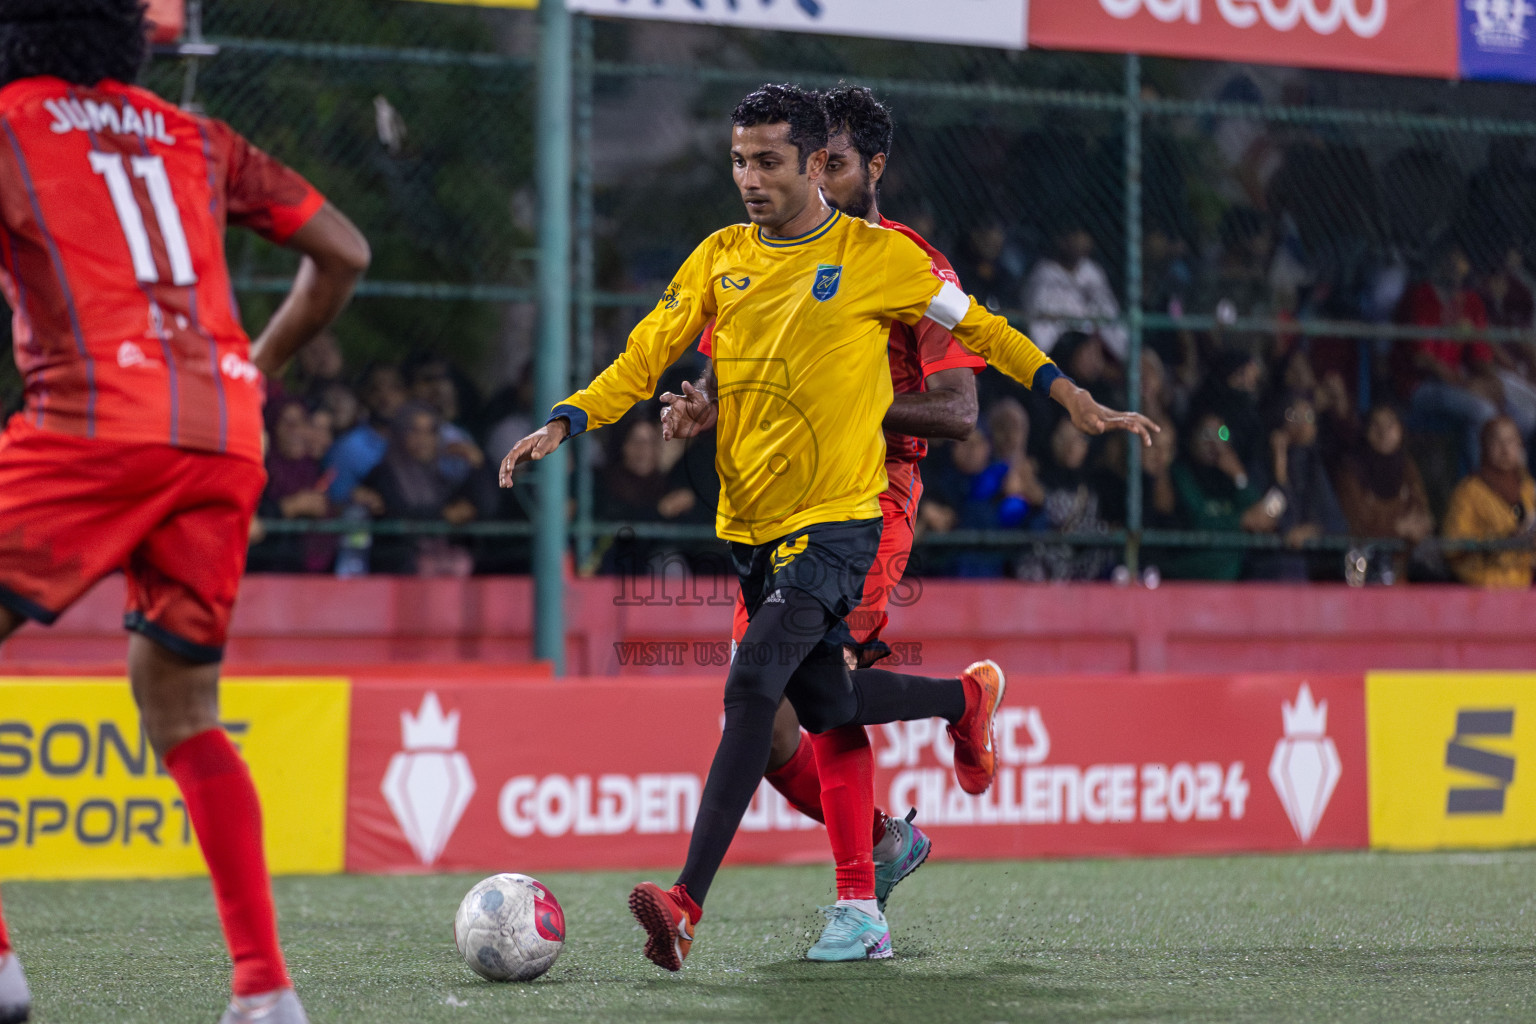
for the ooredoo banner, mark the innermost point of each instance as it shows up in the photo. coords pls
(608, 773)
(82, 795)
(1406, 37)
(1445, 751)
(977, 22)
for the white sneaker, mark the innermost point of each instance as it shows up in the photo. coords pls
(15, 997)
(277, 1007)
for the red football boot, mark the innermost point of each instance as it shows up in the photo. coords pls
(668, 917)
(975, 758)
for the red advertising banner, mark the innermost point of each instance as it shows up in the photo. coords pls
(1404, 37)
(575, 774)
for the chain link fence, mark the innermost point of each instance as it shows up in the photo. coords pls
(1295, 217)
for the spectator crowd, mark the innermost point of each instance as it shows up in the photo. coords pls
(1409, 447)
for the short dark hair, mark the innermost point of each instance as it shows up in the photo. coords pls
(786, 104)
(852, 110)
(80, 41)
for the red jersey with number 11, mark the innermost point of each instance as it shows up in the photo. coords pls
(113, 205)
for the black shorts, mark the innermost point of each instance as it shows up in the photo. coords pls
(825, 560)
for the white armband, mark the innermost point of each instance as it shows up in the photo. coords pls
(948, 307)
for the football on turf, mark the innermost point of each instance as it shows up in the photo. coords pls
(509, 928)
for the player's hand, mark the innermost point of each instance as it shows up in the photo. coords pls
(534, 447)
(688, 414)
(1092, 418)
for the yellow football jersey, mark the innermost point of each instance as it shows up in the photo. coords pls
(799, 349)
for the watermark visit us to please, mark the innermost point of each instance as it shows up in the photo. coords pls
(717, 653)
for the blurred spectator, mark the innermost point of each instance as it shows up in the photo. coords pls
(1071, 506)
(1239, 283)
(1448, 385)
(359, 450)
(636, 488)
(322, 433)
(1507, 293)
(1231, 392)
(1008, 428)
(1083, 358)
(317, 366)
(968, 489)
(1160, 499)
(341, 402)
(409, 483)
(431, 382)
(1311, 509)
(1497, 502)
(1069, 292)
(1216, 493)
(984, 269)
(295, 490)
(509, 414)
(1380, 489)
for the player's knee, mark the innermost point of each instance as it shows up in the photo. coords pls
(176, 699)
(826, 716)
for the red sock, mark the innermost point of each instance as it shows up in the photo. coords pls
(5, 940)
(226, 814)
(847, 767)
(798, 780)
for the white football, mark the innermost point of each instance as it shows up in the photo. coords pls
(509, 928)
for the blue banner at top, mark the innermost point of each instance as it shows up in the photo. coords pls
(1496, 40)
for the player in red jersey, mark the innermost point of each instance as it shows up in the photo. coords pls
(933, 378)
(139, 446)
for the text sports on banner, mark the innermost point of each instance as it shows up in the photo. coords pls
(442, 778)
(82, 795)
(1405, 37)
(1446, 751)
(998, 23)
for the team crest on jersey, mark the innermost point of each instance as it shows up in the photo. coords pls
(729, 283)
(828, 278)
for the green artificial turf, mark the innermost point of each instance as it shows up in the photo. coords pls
(1333, 937)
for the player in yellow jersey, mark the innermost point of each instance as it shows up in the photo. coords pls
(802, 299)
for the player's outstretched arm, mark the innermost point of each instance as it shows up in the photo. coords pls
(534, 447)
(335, 256)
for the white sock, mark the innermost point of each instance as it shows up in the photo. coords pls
(869, 907)
(889, 848)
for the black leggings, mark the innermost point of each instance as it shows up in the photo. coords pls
(785, 654)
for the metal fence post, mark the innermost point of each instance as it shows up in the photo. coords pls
(1133, 112)
(585, 275)
(553, 163)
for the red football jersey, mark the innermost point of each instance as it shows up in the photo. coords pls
(914, 352)
(113, 205)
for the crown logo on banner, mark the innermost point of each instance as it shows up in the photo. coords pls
(429, 729)
(1305, 717)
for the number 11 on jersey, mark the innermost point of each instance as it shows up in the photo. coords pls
(151, 171)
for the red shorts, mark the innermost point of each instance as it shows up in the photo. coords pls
(176, 522)
(898, 506)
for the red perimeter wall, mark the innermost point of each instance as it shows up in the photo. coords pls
(319, 620)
